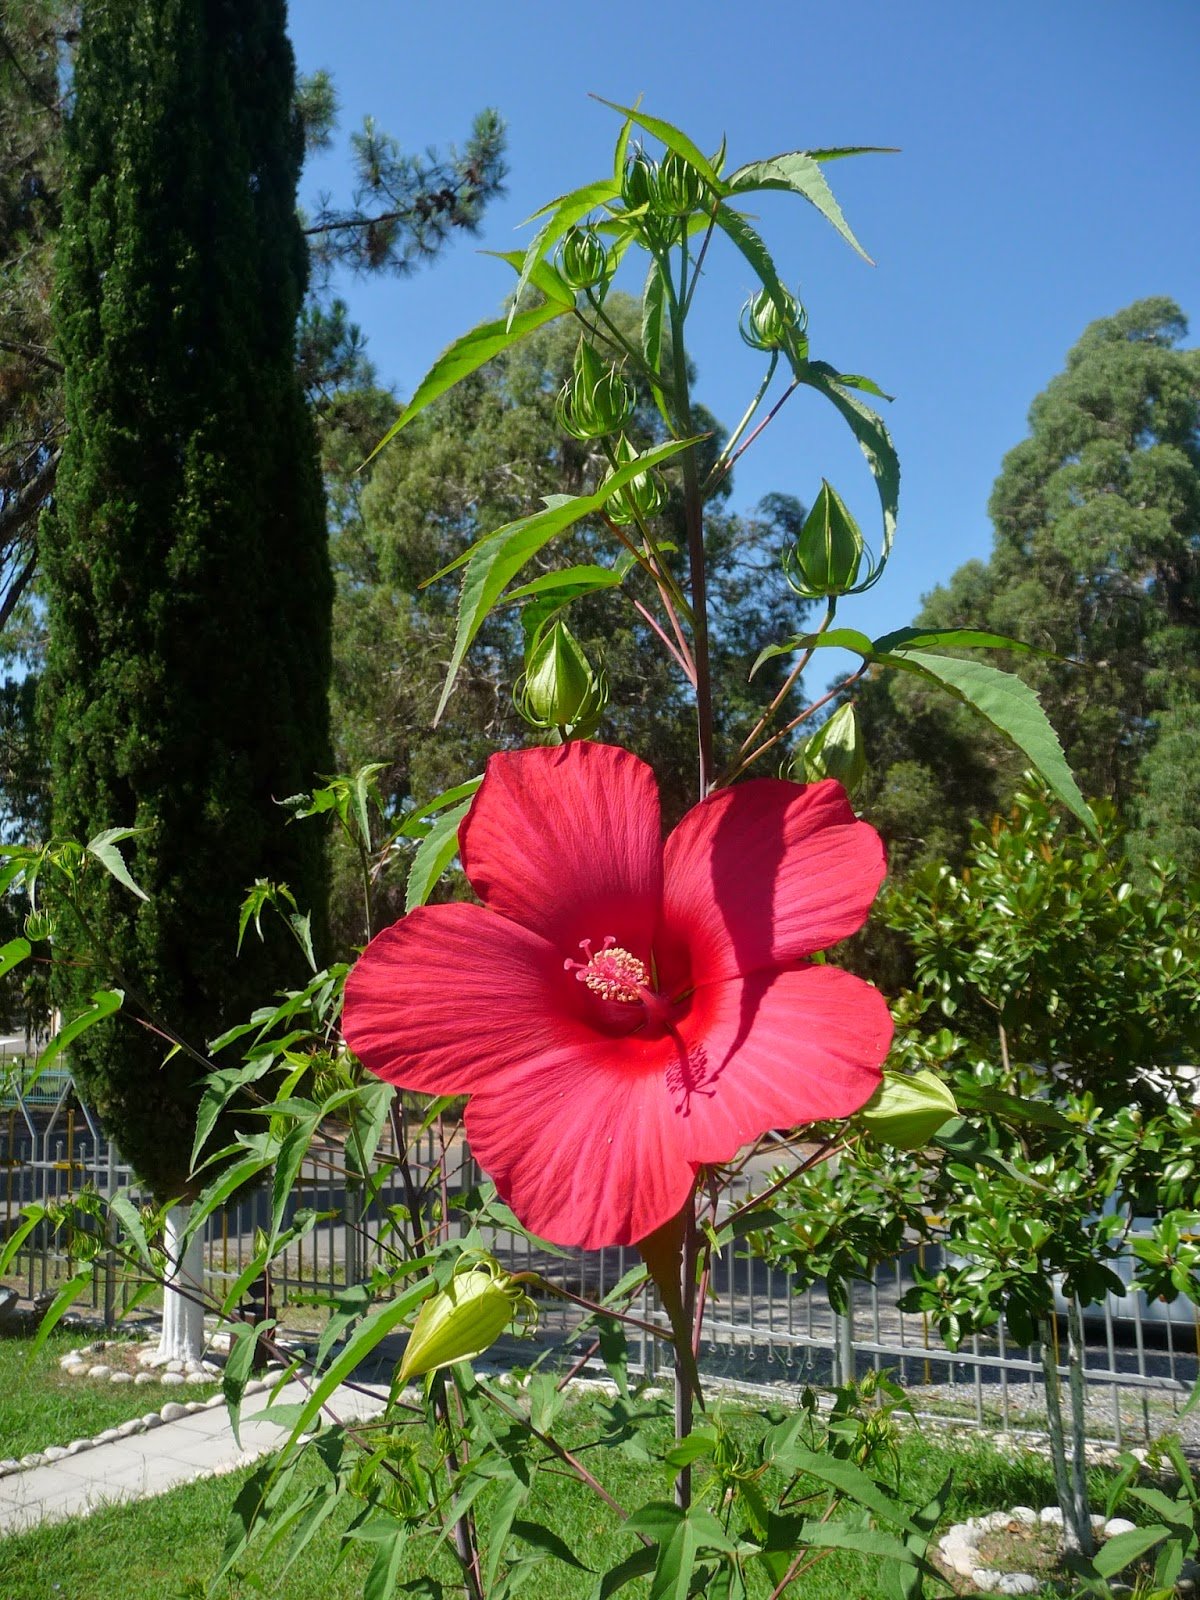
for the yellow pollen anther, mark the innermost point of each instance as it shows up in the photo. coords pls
(611, 972)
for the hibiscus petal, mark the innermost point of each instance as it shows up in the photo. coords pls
(568, 842)
(584, 1145)
(775, 1051)
(451, 995)
(765, 873)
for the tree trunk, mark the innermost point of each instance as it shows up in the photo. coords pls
(1076, 1350)
(183, 1313)
(1077, 1540)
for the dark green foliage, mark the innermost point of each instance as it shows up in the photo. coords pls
(186, 563)
(1096, 558)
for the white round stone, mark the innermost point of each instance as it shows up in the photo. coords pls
(107, 1437)
(33, 1459)
(192, 1406)
(98, 1372)
(1016, 1583)
(54, 1452)
(152, 1420)
(9, 1464)
(173, 1379)
(1025, 1515)
(174, 1366)
(128, 1429)
(213, 1401)
(76, 1445)
(172, 1411)
(986, 1578)
(120, 1377)
(1116, 1525)
(145, 1377)
(1052, 1516)
(80, 1370)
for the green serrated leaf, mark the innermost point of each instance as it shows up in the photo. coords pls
(61, 1304)
(239, 1364)
(467, 355)
(434, 854)
(1012, 708)
(415, 825)
(130, 1218)
(638, 1565)
(542, 275)
(1122, 1548)
(798, 172)
(104, 848)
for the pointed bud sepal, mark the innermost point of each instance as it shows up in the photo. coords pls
(466, 1318)
(907, 1110)
(582, 258)
(764, 327)
(827, 556)
(559, 689)
(680, 188)
(836, 750)
(643, 496)
(596, 399)
(639, 181)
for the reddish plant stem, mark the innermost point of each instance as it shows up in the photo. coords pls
(688, 670)
(728, 466)
(770, 743)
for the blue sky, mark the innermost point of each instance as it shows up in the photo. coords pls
(1047, 176)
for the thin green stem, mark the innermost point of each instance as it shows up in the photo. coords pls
(770, 417)
(694, 520)
(717, 469)
(787, 686)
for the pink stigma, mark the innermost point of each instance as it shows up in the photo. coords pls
(610, 972)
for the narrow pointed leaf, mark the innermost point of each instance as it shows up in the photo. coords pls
(874, 441)
(498, 558)
(798, 172)
(542, 275)
(834, 639)
(415, 824)
(104, 848)
(12, 954)
(434, 854)
(62, 1303)
(673, 139)
(564, 213)
(104, 1003)
(1011, 707)
(952, 639)
(467, 355)
(1123, 1548)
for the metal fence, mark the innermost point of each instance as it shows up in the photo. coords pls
(1140, 1363)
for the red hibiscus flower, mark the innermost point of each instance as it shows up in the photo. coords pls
(622, 1012)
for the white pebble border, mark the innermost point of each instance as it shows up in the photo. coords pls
(80, 1363)
(959, 1548)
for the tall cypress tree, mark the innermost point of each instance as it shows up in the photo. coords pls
(187, 570)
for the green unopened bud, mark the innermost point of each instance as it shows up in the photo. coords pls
(834, 751)
(559, 688)
(465, 1318)
(643, 496)
(827, 555)
(39, 925)
(639, 181)
(679, 189)
(582, 258)
(596, 399)
(907, 1111)
(765, 327)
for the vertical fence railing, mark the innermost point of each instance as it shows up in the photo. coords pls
(757, 1329)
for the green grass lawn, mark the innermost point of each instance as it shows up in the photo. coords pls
(168, 1548)
(41, 1405)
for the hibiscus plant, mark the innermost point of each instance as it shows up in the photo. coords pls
(627, 1017)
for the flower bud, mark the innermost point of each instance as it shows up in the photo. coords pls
(643, 496)
(827, 555)
(639, 181)
(764, 327)
(39, 925)
(582, 258)
(906, 1111)
(559, 689)
(679, 189)
(596, 399)
(834, 751)
(465, 1318)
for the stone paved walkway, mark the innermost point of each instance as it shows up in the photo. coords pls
(147, 1464)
